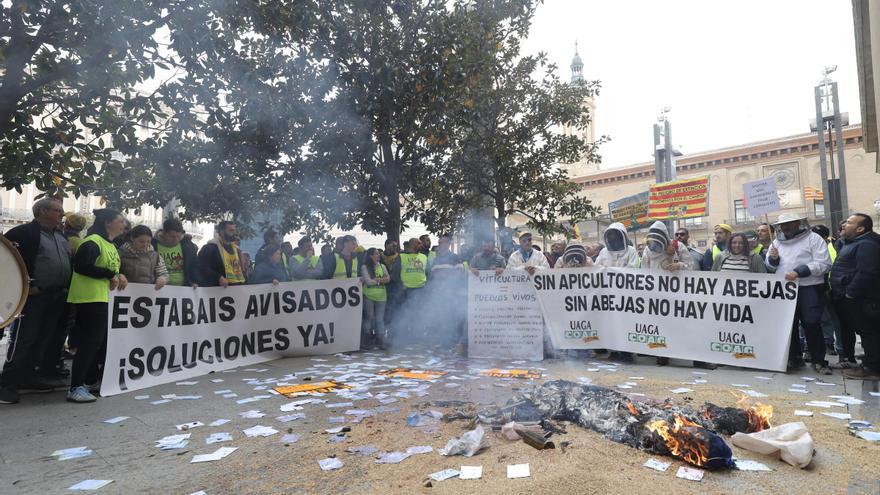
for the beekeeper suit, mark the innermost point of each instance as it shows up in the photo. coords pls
(617, 253)
(574, 256)
(799, 254)
(661, 253)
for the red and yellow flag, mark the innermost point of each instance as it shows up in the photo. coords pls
(813, 193)
(686, 198)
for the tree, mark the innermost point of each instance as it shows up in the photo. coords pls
(70, 108)
(401, 80)
(510, 144)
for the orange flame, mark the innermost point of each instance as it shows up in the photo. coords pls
(758, 415)
(632, 408)
(681, 439)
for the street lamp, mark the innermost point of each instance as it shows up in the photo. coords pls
(828, 117)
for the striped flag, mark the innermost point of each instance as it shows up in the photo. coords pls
(679, 199)
(813, 193)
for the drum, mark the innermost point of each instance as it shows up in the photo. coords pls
(15, 282)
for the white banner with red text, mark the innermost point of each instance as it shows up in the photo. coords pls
(177, 333)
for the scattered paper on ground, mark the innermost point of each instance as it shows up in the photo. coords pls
(292, 391)
(90, 484)
(74, 453)
(687, 473)
(214, 456)
(471, 472)
(330, 463)
(747, 465)
(413, 374)
(499, 373)
(657, 465)
(444, 475)
(518, 471)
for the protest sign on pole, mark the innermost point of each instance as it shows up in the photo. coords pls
(717, 317)
(631, 211)
(175, 333)
(504, 318)
(686, 198)
(760, 196)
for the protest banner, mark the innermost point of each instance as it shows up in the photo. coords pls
(718, 317)
(175, 333)
(686, 198)
(504, 319)
(760, 196)
(631, 211)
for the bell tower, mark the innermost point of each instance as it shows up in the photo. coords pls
(582, 166)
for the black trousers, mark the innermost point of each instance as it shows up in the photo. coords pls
(808, 314)
(847, 342)
(90, 335)
(43, 319)
(862, 316)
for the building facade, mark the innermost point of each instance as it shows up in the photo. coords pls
(792, 161)
(15, 209)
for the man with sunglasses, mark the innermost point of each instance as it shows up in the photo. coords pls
(683, 236)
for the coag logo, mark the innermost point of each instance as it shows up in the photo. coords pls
(583, 335)
(733, 343)
(652, 341)
(739, 351)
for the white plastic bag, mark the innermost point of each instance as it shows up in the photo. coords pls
(467, 445)
(791, 440)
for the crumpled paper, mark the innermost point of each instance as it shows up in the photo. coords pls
(791, 440)
(467, 445)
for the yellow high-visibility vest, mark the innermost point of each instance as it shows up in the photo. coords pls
(85, 289)
(413, 270)
(340, 271)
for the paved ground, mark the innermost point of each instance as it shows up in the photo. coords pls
(125, 452)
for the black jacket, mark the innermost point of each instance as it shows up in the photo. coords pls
(856, 271)
(191, 274)
(27, 240)
(211, 265)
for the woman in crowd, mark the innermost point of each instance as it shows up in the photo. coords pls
(270, 266)
(140, 263)
(95, 273)
(375, 276)
(738, 258)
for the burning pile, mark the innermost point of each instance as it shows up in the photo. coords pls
(658, 427)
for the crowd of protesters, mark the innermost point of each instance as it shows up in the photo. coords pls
(417, 292)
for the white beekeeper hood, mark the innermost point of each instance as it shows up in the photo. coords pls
(615, 237)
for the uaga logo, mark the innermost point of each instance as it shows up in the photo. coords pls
(582, 330)
(733, 343)
(647, 334)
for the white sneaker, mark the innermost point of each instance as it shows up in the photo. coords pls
(80, 395)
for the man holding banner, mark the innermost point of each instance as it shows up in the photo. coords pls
(527, 257)
(802, 255)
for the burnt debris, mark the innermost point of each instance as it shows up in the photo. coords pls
(660, 427)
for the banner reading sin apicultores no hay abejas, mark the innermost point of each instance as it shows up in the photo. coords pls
(719, 317)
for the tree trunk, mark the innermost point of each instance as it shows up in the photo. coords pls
(392, 217)
(391, 190)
